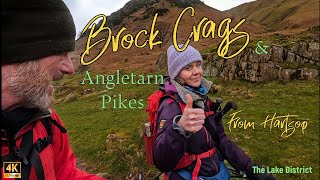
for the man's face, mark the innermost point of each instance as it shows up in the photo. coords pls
(31, 82)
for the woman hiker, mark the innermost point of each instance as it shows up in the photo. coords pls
(185, 147)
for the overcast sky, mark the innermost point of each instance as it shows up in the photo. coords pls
(84, 10)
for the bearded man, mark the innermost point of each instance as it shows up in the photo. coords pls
(37, 36)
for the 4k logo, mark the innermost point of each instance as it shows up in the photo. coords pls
(12, 169)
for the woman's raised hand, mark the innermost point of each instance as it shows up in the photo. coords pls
(192, 119)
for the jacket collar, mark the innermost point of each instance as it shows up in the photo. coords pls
(172, 86)
(13, 121)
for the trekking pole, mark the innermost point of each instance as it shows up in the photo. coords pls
(217, 106)
(236, 174)
(228, 106)
(139, 176)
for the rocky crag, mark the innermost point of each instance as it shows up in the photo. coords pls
(299, 62)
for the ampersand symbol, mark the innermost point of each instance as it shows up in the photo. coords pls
(261, 49)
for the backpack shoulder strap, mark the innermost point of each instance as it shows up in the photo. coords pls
(29, 151)
(208, 125)
(41, 144)
(175, 97)
(172, 98)
(59, 126)
(47, 123)
(21, 154)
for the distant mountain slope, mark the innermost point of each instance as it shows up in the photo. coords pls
(280, 14)
(136, 16)
(134, 5)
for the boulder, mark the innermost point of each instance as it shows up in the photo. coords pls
(210, 70)
(308, 73)
(243, 65)
(277, 54)
(315, 55)
(255, 66)
(303, 48)
(249, 65)
(299, 59)
(267, 71)
(250, 75)
(291, 57)
(264, 57)
(219, 64)
(253, 57)
(215, 72)
(286, 74)
(313, 46)
(295, 48)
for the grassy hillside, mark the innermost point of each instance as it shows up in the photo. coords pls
(280, 14)
(109, 140)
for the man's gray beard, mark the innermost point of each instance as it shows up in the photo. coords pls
(30, 84)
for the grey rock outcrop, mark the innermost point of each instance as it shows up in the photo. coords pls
(251, 66)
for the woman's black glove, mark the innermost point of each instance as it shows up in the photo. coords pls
(258, 176)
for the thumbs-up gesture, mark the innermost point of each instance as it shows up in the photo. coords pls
(192, 119)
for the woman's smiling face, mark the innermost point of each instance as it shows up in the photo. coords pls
(192, 74)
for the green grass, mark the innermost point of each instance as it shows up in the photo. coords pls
(109, 140)
(296, 65)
